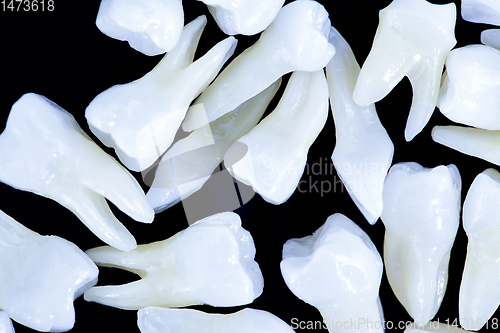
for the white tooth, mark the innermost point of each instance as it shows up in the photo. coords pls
(150, 26)
(363, 151)
(338, 271)
(189, 163)
(421, 217)
(246, 17)
(413, 39)
(278, 145)
(159, 320)
(297, 40)
(469, 94)
(210, 262)
(434, 327)
(5, 323)
(491, 37)
(481, 11)
(479, 292)
(44, 151)
(40, 278)
(140, 119)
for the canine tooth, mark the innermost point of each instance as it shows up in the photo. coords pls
(481, 11)
(151, 27)
(140, 119)
(491, 38)
(44, 151)
(189, 163)
(275, 159)
(297, 40)
(413, 39)
(157, 320)
(247, 17)
(362, 142)
(5, 323)
(40, 278)
(338, 271)
(210, 262)
(421, 216)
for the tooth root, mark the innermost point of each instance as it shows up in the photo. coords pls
(481, 11)
(5, 323)
(491, 38)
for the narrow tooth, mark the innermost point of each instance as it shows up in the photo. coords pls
(413, 39)
(139, 119)
(337, 270)
(421, 216)
(434, 326)
(211, 262)
(5, 323)
(491, 37)
(481, 11)
(40, 278)
(363, 151)
(151, 27)
(297, 40)
(275, 159)
(189, 163)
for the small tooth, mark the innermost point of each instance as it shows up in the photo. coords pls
(44, 151)
(210, 262)
(151, 27)
(5, 323)
(421, 216)
(433, 327)
(189, 163)
(297, 40)
(363, 151)
(139, 119)
(413, 39)
(275, 159)
(40, 278)
(338, 271)
(481, 11)
(491, 37)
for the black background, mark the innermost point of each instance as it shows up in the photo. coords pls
(63, 56)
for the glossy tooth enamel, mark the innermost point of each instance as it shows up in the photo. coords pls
(434, 327)
(297, 40)
(189, 163)
(246, 17)
(481, 11)
(480, 292)
(363, 151)
(210, 262)
(151, 27)
(40, 278)
(413, 39)
(491, 38)
(421, 216)
(159, 320)
(44, 151)
(278, 145)
(469, 94)
(139, 119)
(5, 323)
(338, 271)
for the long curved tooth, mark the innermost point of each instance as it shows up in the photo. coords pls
(297, 40)
(157, 320)
(275, 159)
(481, 11)
(210, 262)
(40, 278)
(45, 151)
(363, 151)
(189, 163)
(413, 39)
(5, 323)
(434, 327)
(338, 271)
(491, 38)
(140, 119)
(151, 27)
(421, 216)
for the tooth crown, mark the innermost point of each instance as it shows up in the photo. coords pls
(5, 323)
(491, 38)
(481, 11)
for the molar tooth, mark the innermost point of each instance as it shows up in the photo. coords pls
(481, 11)
(210, 262)
(45, 151)
(421, 216)
(362, 142)
(5, 323)
(491, 38)
(297, 40)
(140, 119)
(338, 271)
(413, 39)
(41, 276)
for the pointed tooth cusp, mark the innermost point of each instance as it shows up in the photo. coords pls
(40, 277)
(413, 39)
(5, 323)
(481, 11)
(363, 151)
(297, 40)
(337, 270)
(421, 216)
(491, 38)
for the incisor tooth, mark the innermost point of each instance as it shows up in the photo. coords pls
(44, 151)
(413, 39)
(491, 37)
(481, 11)
(5, 323)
